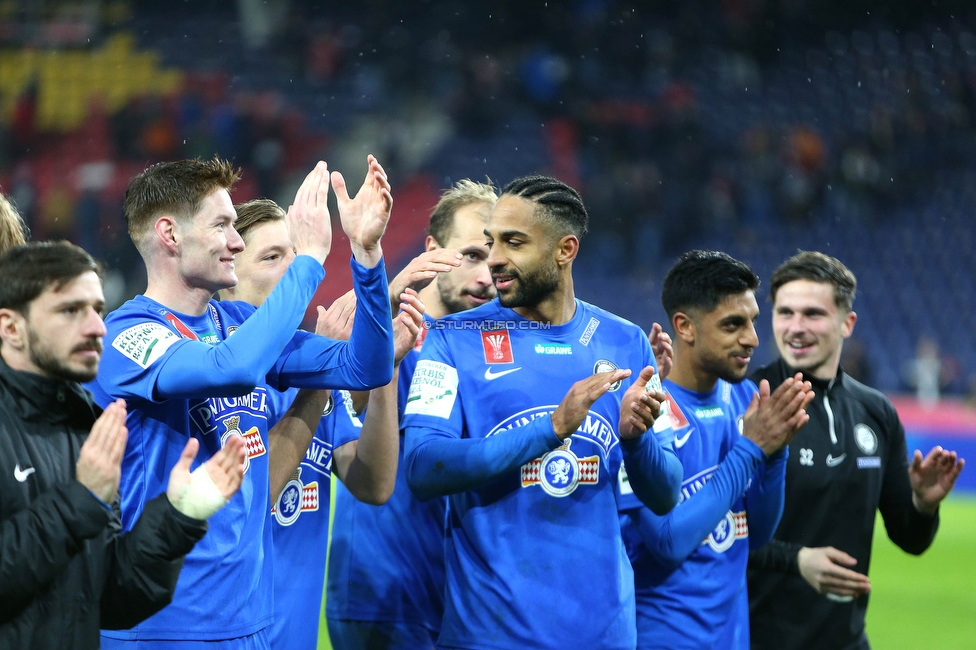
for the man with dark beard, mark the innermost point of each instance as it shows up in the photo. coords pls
(522, 411)
(731, 440)
(65, 570)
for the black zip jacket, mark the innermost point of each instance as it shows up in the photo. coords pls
(64, 569)
(848, 462)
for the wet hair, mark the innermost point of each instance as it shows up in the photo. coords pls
(817, 267)
(173, 188)
(254, 212)
(30, 269)
(559, 205)
(13, 230)
(465, 192)
(700, 280)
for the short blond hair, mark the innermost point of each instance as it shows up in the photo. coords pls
(12, 227)
(464, 192)
(254, 212)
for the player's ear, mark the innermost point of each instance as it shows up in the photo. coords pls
(684, 327)
(167, 232)
(12, 328)
(566, 249)
(848, 326)
(430, 244)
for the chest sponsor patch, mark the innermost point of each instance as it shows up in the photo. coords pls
(295, 499)
(560, 471)
(869, 462)
(433, 389)
(557, 349)
(498, 346)
(589, 331)
(145, 343)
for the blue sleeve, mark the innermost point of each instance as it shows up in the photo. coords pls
(673, 537)
(654, 471)
(765, 499)
(363, 362)
(437, 459)
(148, 361)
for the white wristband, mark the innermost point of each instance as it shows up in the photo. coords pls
(200, 498)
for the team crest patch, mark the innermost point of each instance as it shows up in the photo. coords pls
(253, 444)
(866, 439)
(145, 343)
(295, 499)
(498, 346)
(329, 405)
(605, 365)
(559, 472)
(732, 527)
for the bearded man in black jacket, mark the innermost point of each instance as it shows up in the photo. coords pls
(65, 569)
(808, 588)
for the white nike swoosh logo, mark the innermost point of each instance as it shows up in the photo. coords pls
(834, 462)
(22, 474)
(680, 442)
(489, 375)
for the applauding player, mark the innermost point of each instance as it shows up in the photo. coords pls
(523, 410)
(189, 366)
(692, 593)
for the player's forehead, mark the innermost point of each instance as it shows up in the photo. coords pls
(216, 205)
(269, 234)
(736, 305)
(513, 213)
(468, 228)
(805, 294)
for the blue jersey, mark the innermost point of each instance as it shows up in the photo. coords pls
(690, 565)
(300, 524)
(396, 549)
(534, 554)
(209, 377)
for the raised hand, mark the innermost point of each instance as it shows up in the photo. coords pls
(640, 406)
(365, 216)
(422, 270)
(336, 321)
(821, 567)
(309, 223)
(571, 412)
(201, 493)
(663, 352)
(772, 420)
(99, 466)
(407, 324)
(933, 477)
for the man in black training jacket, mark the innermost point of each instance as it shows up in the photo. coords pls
(64, 569)
(808, 588)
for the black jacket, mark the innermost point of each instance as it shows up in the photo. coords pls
(847, 463)
(64, 569)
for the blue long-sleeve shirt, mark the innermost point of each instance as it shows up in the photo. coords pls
(526, 508)
(690, 563)
(209, 376)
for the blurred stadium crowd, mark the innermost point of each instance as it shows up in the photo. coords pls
(754, 127)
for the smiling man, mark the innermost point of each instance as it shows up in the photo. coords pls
(522, 410)
(849, 462)
(731, 438)
(192, 367)
(65, 570)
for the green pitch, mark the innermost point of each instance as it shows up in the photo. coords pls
(927, 601)
(917, 602)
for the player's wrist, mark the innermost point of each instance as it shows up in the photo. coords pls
(923, 507)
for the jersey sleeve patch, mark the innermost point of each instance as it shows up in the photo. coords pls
(145, 343)
(433, 389)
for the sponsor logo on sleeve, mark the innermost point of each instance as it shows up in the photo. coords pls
(433, 389)
(498, 346)
(145, 343)
(623, 481)
(350, 408)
